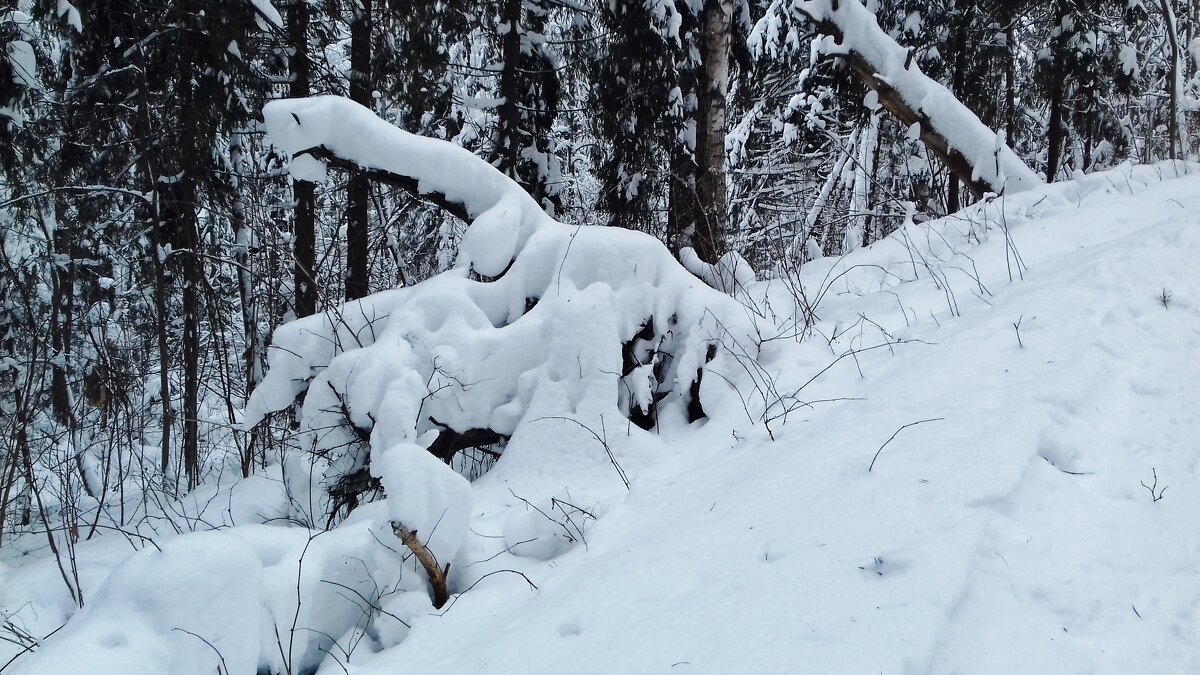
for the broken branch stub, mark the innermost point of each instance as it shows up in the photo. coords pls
(436, 574)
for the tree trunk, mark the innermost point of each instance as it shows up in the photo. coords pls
(243, 238)
(1054, 135)
(683, 206)
(193, 277)
(62, 296)
(709, 238)
(357, 271)
(1178, 126)
(152, 170)
(304, 192)
(1010, 87)
(953, 199)
(831, 182)
(178, 187)
(508, 128)
(856, 226)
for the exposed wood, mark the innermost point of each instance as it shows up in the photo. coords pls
(437, 575)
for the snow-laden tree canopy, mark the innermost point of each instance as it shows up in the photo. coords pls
(536, 319)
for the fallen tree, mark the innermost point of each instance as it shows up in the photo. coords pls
(536, 320)
(976, 154)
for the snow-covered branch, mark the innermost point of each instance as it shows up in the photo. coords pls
(326, 131)
(948, 128)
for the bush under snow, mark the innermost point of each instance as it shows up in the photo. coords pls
(535, 320)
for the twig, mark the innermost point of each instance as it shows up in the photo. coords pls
(608, 450)
(1155, 493)
(494, 572)
(365, 599)
(223, 669)
(910, 424)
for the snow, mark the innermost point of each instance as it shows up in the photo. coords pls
(427, 496)
(65, 9)
(731, 273)
(155, 611)
(1128, 58)
(454, 352)
(24, 64)
(266, 13)
(969, 537)
(351, 130)
(1047, 337)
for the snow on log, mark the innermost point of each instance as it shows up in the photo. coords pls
(536, 320)
(975, 153)
(334, 131)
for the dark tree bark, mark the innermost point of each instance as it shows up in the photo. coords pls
(304, 192)
(1055, 132)
(184, 215)
(61, 320)
(508, 127)
(150, 168)
(959, 45)
(358, 194)
(683, 209)
(1010, 87)
(185, 162)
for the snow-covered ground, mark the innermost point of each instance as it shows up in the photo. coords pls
(1027, 366)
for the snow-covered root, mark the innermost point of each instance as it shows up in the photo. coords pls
(974, 152)
(535, 320)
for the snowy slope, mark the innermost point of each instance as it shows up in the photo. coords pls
(1009, 533)
(1012, 536)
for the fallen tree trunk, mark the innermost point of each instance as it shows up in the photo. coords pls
(948, 128)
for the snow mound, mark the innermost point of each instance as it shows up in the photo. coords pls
(1041, 345)
(579, 323)
(160, 612)
(427, 496)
